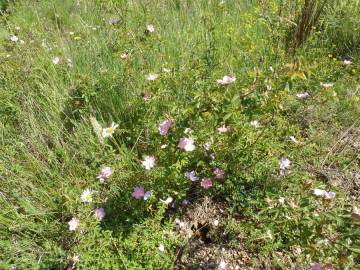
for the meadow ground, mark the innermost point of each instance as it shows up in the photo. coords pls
(179, 135)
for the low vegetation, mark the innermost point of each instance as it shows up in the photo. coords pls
(180, 134)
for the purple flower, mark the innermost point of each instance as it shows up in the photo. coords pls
(138, 193)
(164, 127)
(206, 183)
(330, 195)
(316, 266)
(187, 144)
(99, 213)
(323, 193)
(105, 173)
(185, 202)
(191, 175)
(219, 173)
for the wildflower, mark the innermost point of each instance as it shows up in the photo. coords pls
(326, 85)
(187, 144)
(56, 60)
(99, 213)
(164, 127)
(167, 201)
(212, 156)
(166, 70)
(216, 222)
(73, 261)
(292, 138)
(319, 266)
(206, 183)
(14, 38)
(191, 175)
(319, 192)
(180, 223)
(269, 234)
(108, 132)
(255, 123)
(152, 77)
(124, 56)
(226, 80)
(207, 145)
(105, 173)
(138, 193)
(86, 196)
(284, 163)
(114, 21)
(17, 28)
(281, 200)
(69, 63)
(316, 266)
(185, 202)
(222, 264)
(219, 173)
(163, 146)
(323, 193)
(73, 224)
(347, 62)
(148, 162)
(161, 247)
(223, 129)
(150, 28)
(188, 131)
(330, 195)
(303, 95)
(147, 195)
(356, 213)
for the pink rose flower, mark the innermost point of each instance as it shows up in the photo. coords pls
(164, 127)
(206, 183)
(148, 162)
(99, 213)
(105, 174)
(219, 173)
(138, 193)
(226, 80)
(73, 224)
(187, 144)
